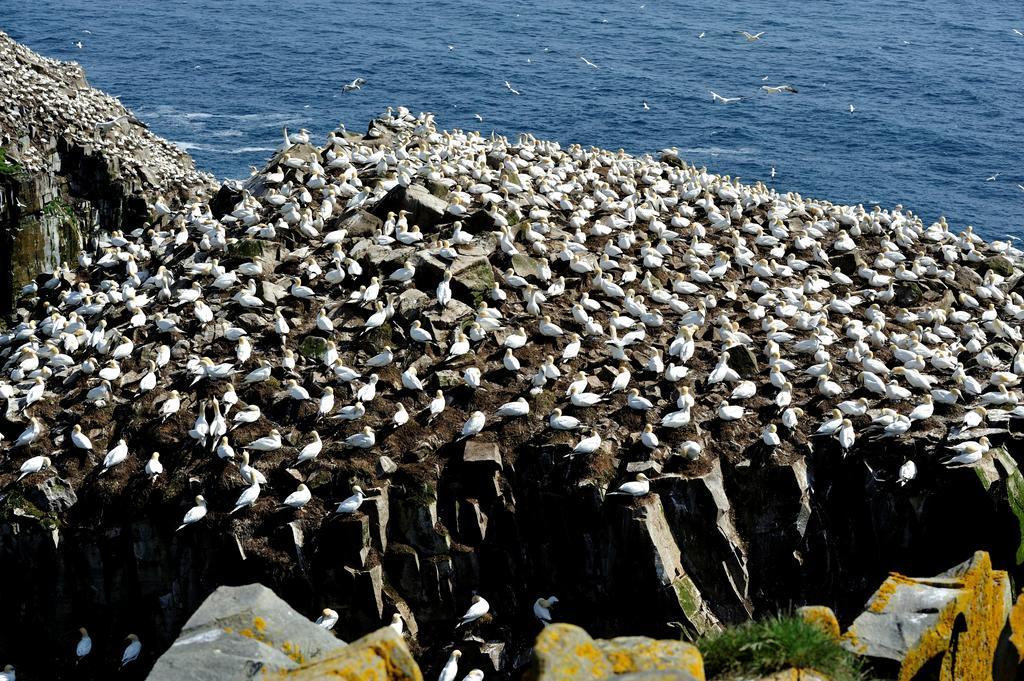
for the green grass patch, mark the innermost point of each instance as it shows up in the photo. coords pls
(61, 211)
(9, 167)
(775, 644)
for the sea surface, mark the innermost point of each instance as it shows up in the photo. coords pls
(937, 87)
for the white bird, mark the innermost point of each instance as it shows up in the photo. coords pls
(194, 514)
(396, 624)
(247, 497)
(751, 37)
(84, 646)
(969, 452)
(115, 456)
(364, 439)
(132, 650)
(477, 609)
(635, 401)
(907, 472)
(715, 97)
(352, 503)
(559, 422)
(29, 435)
(473, 425)
(777, 89)
(249, 474)
(587, 445)
(401, 416)
(518, 407)
(635, 488)
(542, 609)
(451, 667)
(354, 85)
(79, 439)
(648, 437)
(328, 618)
(589, 63)
(267, 443)
(312, 449)
(730, 412)
(153, 467)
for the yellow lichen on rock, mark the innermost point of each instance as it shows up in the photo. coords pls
(970, 625)
(822, 617)
(565, 651)
(380, 656)
(955, 618)
(1016, 623)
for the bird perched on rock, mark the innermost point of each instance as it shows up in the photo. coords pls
(132, 650)
(153, 467)
(451, 668)
(299, 498)
(328, 618)
(636, 488)
(478, 608)
(352, 503)
(542, 609)
(474, 424)
(194, 514)
(34, 465)
(247, 498)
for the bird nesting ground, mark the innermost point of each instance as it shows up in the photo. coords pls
(420, 295)
(43, 99)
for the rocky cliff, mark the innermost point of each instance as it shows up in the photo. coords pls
(73, 162)
(488, 337)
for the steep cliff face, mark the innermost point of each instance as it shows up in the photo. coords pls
(73, 162)
(713, 546)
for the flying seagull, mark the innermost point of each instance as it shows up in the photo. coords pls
(852, 109)
(701, 36)
(993, 178)
(354, 85)
(776, 89)
(589, 63)
(478, 117)
(715, 97)
(510, 88)
(646, 108)
(1017, 31)
(752, 37)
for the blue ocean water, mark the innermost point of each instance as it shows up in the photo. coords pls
(936, 86)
